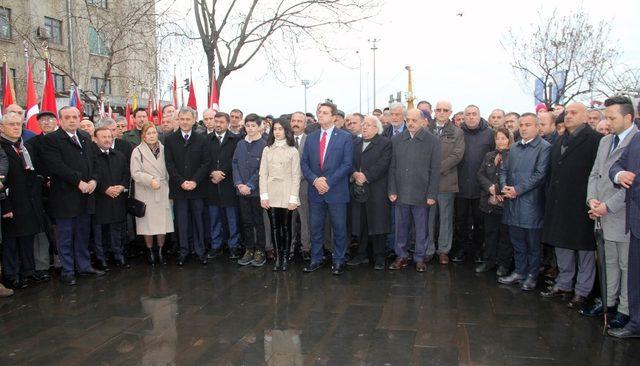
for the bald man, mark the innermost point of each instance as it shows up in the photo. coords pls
(567, 225)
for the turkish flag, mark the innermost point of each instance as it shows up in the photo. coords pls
(32, 103)
(49, 95)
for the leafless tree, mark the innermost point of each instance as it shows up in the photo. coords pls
(623, 79)
(232, 34)
(569, 47)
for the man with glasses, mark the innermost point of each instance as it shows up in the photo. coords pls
(452, 148)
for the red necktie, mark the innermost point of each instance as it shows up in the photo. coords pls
(323, 145)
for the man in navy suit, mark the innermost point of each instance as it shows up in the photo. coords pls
(626, 172)
(326, 165)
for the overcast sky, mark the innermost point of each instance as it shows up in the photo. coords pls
(454, 58)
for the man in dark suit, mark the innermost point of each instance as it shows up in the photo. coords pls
(414, 178)
(567, 225)
(326, 165)
(70, 160)
(113, 178)
(626, 173)
(48, 122)
(301, 219)
(187, 160)
(222, 200)
(22, 211)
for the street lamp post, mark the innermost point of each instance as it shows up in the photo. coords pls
(359, 82)
(374, 49)
(305, 83)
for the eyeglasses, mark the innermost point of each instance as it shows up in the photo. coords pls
(443, 110)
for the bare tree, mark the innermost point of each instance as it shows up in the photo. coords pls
(623, 79)
(233, 34)
(569, 52)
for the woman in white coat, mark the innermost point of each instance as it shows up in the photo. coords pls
(152, 187)
(279, 188)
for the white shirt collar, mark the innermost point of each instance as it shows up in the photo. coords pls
(624, 133)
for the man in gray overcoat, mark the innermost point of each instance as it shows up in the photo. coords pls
(414, 176)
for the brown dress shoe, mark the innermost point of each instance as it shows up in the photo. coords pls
(399, 263)
(421, 266)
(444, 258)
(5, 292)
(576, 302)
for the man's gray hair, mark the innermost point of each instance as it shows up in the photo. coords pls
(106, 122)
(377, 121)
(120, 118)
(396, 105)
(596, 110)
(184, 110)
(529, 114)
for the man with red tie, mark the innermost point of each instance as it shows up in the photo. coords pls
(326, 165)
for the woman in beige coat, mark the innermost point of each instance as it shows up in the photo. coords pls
(152, 187)
(279, 188)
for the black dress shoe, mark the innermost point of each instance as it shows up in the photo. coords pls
(623, 333)
(576, 302)
(596, 309)
(122, 263)
(17, 284)
(306, 256)
(355, 261)
(311, 267)
(203, 260)
(214, 253)
(379, 265)
(619, 321)
(93, 272)
(181, 261)
(68, 280)
(478, 260)
(235, 254)
(102, 266)
(458, 258)
(551, 293)
(337, 269)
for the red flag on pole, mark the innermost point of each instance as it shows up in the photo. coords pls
(48, 102)
(191, 102)
(159, 111)
(214, 98)
(175, 90)
(127, 115)
(32, 102)
(9, 95)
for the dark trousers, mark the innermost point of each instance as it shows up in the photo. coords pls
(189, 215)
(527, 250)
(280, 224)
(338, 217)
(72, 237)
(633, 284)
(497, 244)
(252, 223)
(114, 232)
(217, 214)
(377, 241)
(469, 227)
(420, 215)
(391, 237)
(17, 257)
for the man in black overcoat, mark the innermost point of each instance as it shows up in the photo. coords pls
(567, 225)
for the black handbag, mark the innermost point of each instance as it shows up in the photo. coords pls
(134, 206)
(359, 194)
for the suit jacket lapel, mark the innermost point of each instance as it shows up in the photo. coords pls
(577, 141)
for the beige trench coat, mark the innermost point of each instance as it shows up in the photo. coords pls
(280, 175)
(158, 218)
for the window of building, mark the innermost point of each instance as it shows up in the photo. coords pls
(58, 82)
(5, 23)
(96, 85)
(55, 29)
(97, 44)
(12, 75)
(98, 3)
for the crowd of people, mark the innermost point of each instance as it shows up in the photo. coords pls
(516, 194)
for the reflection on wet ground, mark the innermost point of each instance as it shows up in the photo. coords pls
(224, 315)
